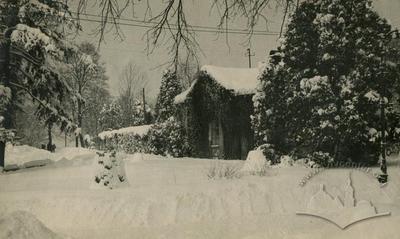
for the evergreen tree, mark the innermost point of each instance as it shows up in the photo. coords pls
(33, 47)
(324, 93)
(170, 87)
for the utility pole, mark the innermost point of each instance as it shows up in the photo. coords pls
(248, 54)
(144, 108)
(383, 177)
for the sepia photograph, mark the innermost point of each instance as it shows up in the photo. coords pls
(199, 119)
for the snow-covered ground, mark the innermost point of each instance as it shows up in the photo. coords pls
(175, 198)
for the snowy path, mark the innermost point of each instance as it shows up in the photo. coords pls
(173, 198)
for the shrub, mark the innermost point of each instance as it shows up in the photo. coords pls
(321, 158)
(168, 138)
(221, 171)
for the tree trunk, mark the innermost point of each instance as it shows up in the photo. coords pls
(50, 137)
(83, 145)
(80, 119)
(144, 108)
(2, 153)
(5, 80)
(76, 141)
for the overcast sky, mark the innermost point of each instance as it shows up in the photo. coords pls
(116, 53)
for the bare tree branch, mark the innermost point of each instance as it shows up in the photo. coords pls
(170, 24)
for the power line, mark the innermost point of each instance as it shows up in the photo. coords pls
(212, 30)
(190, 26)
(173, 28)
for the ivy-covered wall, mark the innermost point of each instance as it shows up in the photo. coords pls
(209, 102)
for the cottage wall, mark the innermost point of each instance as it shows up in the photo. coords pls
(210, 103)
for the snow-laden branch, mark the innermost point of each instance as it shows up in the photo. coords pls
(30, 38)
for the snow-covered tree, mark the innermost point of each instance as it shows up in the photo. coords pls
(170, 87)
(96, 97)
(33, 48)
(324, 93)
(112, 115)
(109, 116)
(86, 74)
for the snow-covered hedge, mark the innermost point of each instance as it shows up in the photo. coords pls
(164, 138)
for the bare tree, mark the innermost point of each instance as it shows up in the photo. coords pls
(132, 82)
(187, 70)
(171, 24)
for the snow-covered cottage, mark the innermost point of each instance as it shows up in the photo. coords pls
(216, 111)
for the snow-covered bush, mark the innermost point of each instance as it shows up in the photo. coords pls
(110, 171)
(286, 161)
(321, 159)
(270, 153)
(168, 138)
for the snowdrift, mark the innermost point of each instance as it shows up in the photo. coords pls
(174, 199)
(24, 225)
(25, 156)
(19, 155)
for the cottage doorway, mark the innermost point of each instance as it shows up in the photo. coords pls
(215, 139)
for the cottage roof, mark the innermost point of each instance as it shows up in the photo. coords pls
(242, 81)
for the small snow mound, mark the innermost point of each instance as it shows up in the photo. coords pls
(255, 163)
(22, 224)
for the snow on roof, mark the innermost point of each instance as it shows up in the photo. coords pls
(242, 81)
(183, 96)
(136, 130)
